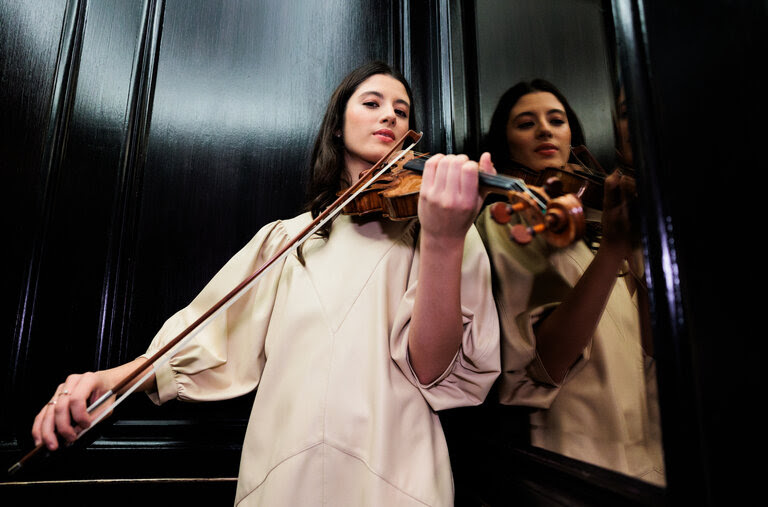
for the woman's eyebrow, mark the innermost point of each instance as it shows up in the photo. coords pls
(381, 96)
(531, 113)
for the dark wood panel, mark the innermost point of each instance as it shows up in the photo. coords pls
(182, 127)
(695, 100)
(29, 45)
(65, 322)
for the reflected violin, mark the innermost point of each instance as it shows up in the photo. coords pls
(584, 179)
(395, 195)
(517, 170)
(588, 187)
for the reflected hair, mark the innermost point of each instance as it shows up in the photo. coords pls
(495, 141)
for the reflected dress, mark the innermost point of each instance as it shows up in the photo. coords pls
(605, 411)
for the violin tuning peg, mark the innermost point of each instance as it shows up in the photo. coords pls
(501, 212)
(520, 234)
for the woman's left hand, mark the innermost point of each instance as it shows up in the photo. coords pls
(449, 200)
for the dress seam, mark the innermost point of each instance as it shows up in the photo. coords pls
(374, 472)
(266, 476)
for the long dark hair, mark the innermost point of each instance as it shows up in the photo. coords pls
(496, 140)
(327, 175)
(326, 170)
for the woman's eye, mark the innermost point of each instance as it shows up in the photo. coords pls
(525, 125)
(371, 104)
(401, 113)
(557, 121)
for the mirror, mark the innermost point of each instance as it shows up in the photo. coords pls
(605, 411)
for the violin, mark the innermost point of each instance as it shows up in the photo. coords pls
(395, 195)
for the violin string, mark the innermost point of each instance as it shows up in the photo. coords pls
(507, 182)
(522, 187)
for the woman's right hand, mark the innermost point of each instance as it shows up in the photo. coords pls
(66, 414)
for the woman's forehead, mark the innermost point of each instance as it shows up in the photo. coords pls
(383, 84)
(536, 102)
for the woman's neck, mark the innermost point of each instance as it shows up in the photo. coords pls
(354, 166)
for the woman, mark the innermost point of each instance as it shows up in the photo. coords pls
(571, 339)
(354, 344)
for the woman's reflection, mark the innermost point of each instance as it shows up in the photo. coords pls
(572, 347)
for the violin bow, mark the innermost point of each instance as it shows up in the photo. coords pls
(162, 356)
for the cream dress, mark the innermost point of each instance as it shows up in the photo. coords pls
(339, 417)
(605, 411)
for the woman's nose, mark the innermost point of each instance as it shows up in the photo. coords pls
(388, 114)
(544, 130)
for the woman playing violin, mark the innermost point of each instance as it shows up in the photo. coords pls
(571, 338)
(352, 345)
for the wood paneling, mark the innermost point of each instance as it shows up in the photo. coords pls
(151, 140)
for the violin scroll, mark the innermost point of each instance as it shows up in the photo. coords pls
(561, 224)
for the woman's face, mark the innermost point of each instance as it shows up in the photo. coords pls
(376, 116)
(538, 134)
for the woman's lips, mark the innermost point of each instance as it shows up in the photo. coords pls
(546, 150)
(385, 135)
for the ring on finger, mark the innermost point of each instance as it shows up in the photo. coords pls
(64, 392)
(52, 402)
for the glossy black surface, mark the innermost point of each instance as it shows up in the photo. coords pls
(687, 70)
(161, 136)
(144, 142)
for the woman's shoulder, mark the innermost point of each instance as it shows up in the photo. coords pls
(293, 226)
(278, 232)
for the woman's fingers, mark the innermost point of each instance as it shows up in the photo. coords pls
(46, 423)
(36, 427)
(66, 414)
(61, 410)
(620, 193)
(430, 168)
(88, 389)
(449, 197)
(486, 164)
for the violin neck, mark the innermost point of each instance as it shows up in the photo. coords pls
(490, 182)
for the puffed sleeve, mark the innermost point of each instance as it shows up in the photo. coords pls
(226, 358)
(527, 287)
(469, 377)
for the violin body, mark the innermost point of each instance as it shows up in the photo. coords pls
(395, 195)
(587, 187)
